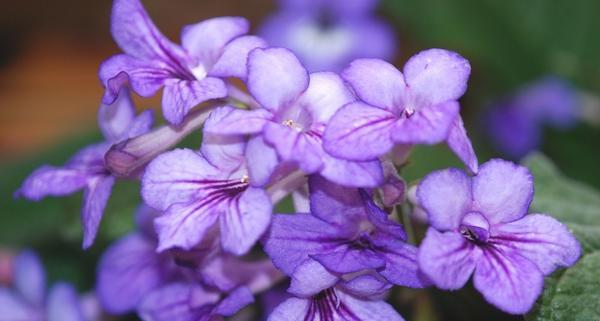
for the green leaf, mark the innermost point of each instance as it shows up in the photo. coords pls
(567, 200)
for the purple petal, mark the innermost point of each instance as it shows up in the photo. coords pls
(430, 125)
(205, 40)
(52, 181)
(275, 77)
(351, 173)
(234, 302)
(177, 302)
(63, 304)
(359, 132)
(346, 259)
(128, 270)
(508, 280)
(445, 213)
(503, 191)
(95, 197)
(460, 144)
(30, 278)
(176, 177)
(222, 151)
(386, 227)
(141, 124)
(184, 225)
(292, 238)
(227, 272)
(437, 75)
(245, 221)
(135, 33)
(338, 205)
(373, 38)
(310, 278)
(353, 308)
(235, 121)
(393, 190)
(145, 77)
(90, 159)
(541, 239)
(292, 309)
(13, 308)
(301, 200)
(512, 131)
(295, 146)
(366, 286)
(401, 266)
(180, 96)
(376, 82)
(261, 161)
(234, 60)
(447, 259)
(114, 119)
(326, 94)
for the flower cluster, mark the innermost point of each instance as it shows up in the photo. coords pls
(208, 237)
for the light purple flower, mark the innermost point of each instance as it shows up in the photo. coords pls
(516, 123)
(86, 170)
(328, 34)
(287, 129)
(416, 106)
(198, 192)
(479, 227)
(345, 236)
(190, 74)
(334, 304)
(28, 300)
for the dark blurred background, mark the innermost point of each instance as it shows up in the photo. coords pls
(49, 95)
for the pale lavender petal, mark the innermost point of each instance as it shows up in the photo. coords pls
(52, 181)
(227, 272)
(136, 34)
(359, 132)
(460, 144)
(541, 239)
(437, 75)
(185, 225)
(234, 302)
(222, 151)
(177, 302)
(295, 146)
(373, 38)
(175, 177)
(346, 259)
(205, 40)
(114, 119)
(445, 213)
(245, 220)
(352, 173)
(301, 200)
(30, 277)
(366, 286)
(128, 270)
(234, 121)
(503, 191)
(508, 280)
(276, 78)
(447, 259)
(353, 308)
(180, 96)
(401, 266)
(144, 77)
(262, 161)
(234, 60)
(292, 309)
(13, 308)
(326, 94)
(63, 304)
(376, 82)
(90, 159)
(95, 197)
(430, 125)
(310, 278)
(141, 124)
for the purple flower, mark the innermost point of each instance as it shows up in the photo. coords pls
(334, 304)
(86, 170)
(288, 125)
(190, 74)
(346, 239)
(516, 124)
(27, 300)
(198, 192)
(479, 227)
(328, 34)
(418, 106)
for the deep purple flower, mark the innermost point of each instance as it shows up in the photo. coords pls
(328, 34)
(198, 192)
(516, 124)
(28, 301)
(287, 129)
(190, 74)
(334, 304)
(345, 236)
(86, 170)
(418, 106)
(479, 227)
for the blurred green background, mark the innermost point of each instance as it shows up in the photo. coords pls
(49, 93)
